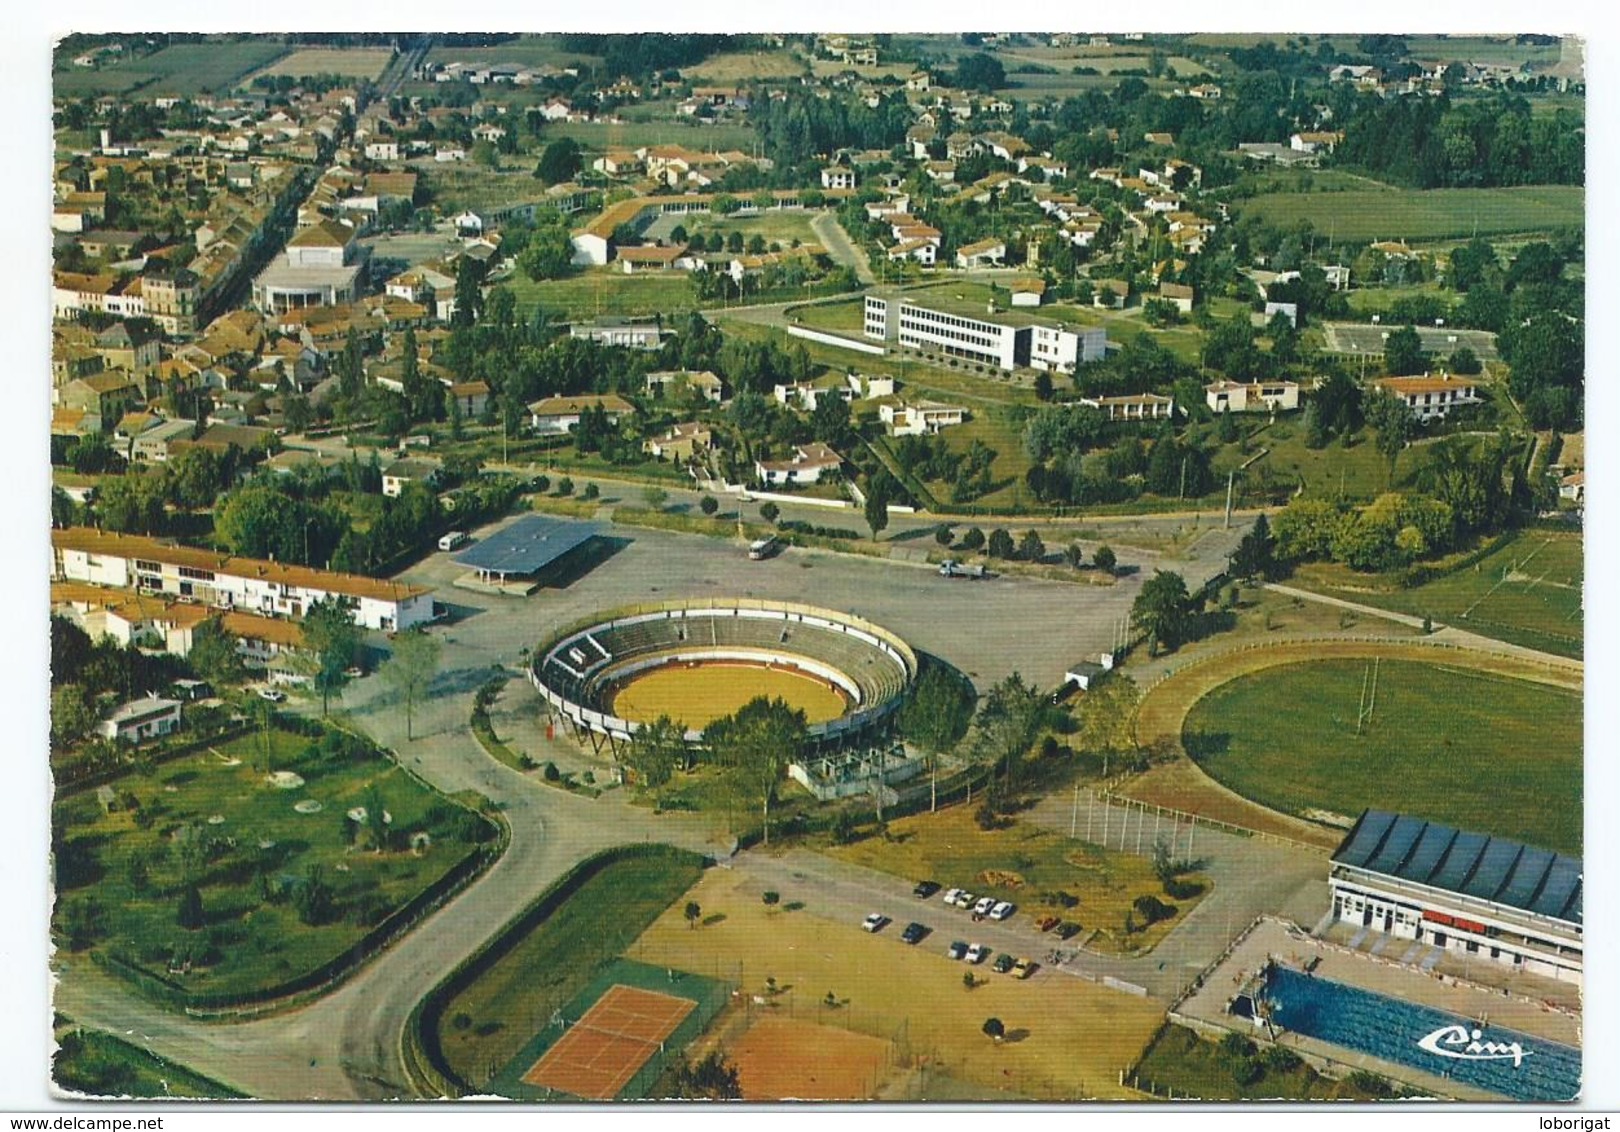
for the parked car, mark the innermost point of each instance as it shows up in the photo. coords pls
(1023, 969)
(964, 898)
(874, 922)
(1003, 909)
(950, 896)
(957, 950)
(1068, 929)
(1003, 964)
(978, 953)
(925, 889)
(913, 933)
(272, 695)
(1047, 923)
(985, 903)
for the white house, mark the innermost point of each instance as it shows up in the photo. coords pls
(837, 177)
(1431, 397)
(1133, 407)
(807, 465)
(401, 472)
(559, 414)
(922, 418)
(140, 720)
(981, 253)
(1252, 397)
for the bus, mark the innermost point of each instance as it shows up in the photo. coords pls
(452, 540)
(763, 547)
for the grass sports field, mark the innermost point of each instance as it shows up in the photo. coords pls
(696, 696)
(600, 291)
(1431, 214)
(1527, 592)
(492, 1020)
(1069, 1037)
(350, 62)
(1446, 743)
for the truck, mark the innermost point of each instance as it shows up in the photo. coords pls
(951, 568)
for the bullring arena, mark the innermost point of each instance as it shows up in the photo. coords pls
(698, 660)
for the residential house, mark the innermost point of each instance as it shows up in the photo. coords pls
(1315, 141)
(471, 397)
(919, 419)
(140, 720)
(103, 398)
(680, 442)
(1110, 294)
(610, 330)
(809, 463)
(1431, 398)
(560, 414)
(401, 472)
(1252, 397)
(1027, 292)
(837, 177)
(1133, 407)
(981, 253)
(703, 383)
(1178, 295)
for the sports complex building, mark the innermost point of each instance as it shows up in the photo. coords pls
(1461, 892)
(862, 669)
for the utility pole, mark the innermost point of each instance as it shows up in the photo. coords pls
(1230, 477)
(1074, 813)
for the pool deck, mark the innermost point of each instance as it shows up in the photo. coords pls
(1274, 939)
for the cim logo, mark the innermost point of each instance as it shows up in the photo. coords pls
(1463, 1044)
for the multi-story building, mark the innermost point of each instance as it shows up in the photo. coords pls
(1004, 339)
(1512, 904)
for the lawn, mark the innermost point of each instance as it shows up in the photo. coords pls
(1478, 751)
(248, 846)
(844, 317)
(1357, 472)
(1024, 863)
(1423, 214)
(603, 291)
(485, 1026)
(1527, 592)
(1181, 1064)
(180, 69)
(350, 62)
(1068, 1037)
(98, 1064)
(777, 226)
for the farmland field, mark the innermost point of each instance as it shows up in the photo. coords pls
(1527, 592)
(524, 51)
(741, 66)
(1430, 214)
(1445, 743)
(599, 136)
(350, 62)
(600, 291)
(180, 69)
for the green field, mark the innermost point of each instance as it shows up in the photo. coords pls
(1424, 214)
(603, 291)
(741, 66)
(689, 132)
(181, 68)
(1473, 750)
(121, 875)
(98, 1064)
(523, 50)
(486, 1025)
(773, 227)
(354, 62)
(1527, 592)
(846, 317)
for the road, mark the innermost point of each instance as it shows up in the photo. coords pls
(840, 248)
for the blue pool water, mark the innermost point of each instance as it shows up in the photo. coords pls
(1391, 1029)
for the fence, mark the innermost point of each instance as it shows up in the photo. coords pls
(423, 1057)
(826, 339)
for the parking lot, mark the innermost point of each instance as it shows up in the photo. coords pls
(1368, 339)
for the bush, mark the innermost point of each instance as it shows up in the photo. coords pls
(1152, 909)
(1235, 1045)
(565, 486)
(551, 772)
(771, 897)
(1247, 1070)
(1280, 1059)
(591, 491)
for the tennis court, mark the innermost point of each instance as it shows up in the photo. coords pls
(604, 1049)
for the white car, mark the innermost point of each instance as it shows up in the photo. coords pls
(978, 953)
(950, 896)
(874, 922)
(965, 899)
(982, 908)
(272, 695)
(1002, 910)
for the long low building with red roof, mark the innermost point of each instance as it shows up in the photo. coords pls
(245, 585)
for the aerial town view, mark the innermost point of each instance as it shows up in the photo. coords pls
(825, 567)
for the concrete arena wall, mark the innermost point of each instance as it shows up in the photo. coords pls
(612, 673)
(603, 723)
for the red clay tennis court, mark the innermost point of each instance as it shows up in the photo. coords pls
(610, 1043)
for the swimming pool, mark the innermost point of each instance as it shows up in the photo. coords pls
(1423, 1038)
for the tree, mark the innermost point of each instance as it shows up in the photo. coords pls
(769, 511)
(711, 1078)
(973, 540)
(693, 912)
(981, 72)
(708, 505)
(1108, 721)
(655, 497)
(215, 655)
(1009, 720)
(469, 292)
(331, 634)
(1043, 386)
(559, 162)
(1030, 547)
(994, 1029)
(936, 717)
(879, 491)
(1393, 421)
(410, 670)
(190, 915)
(760, 739)
(313, 898)
(1403, 352)
(1161, 610)
(1255, 555)
(942, 534)
(1001, 543)
(1104, 559)
(1464, 361)
(72, 714)
(656, 750)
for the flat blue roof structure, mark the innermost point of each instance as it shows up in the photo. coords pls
(1473, 864)
(527, 546)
